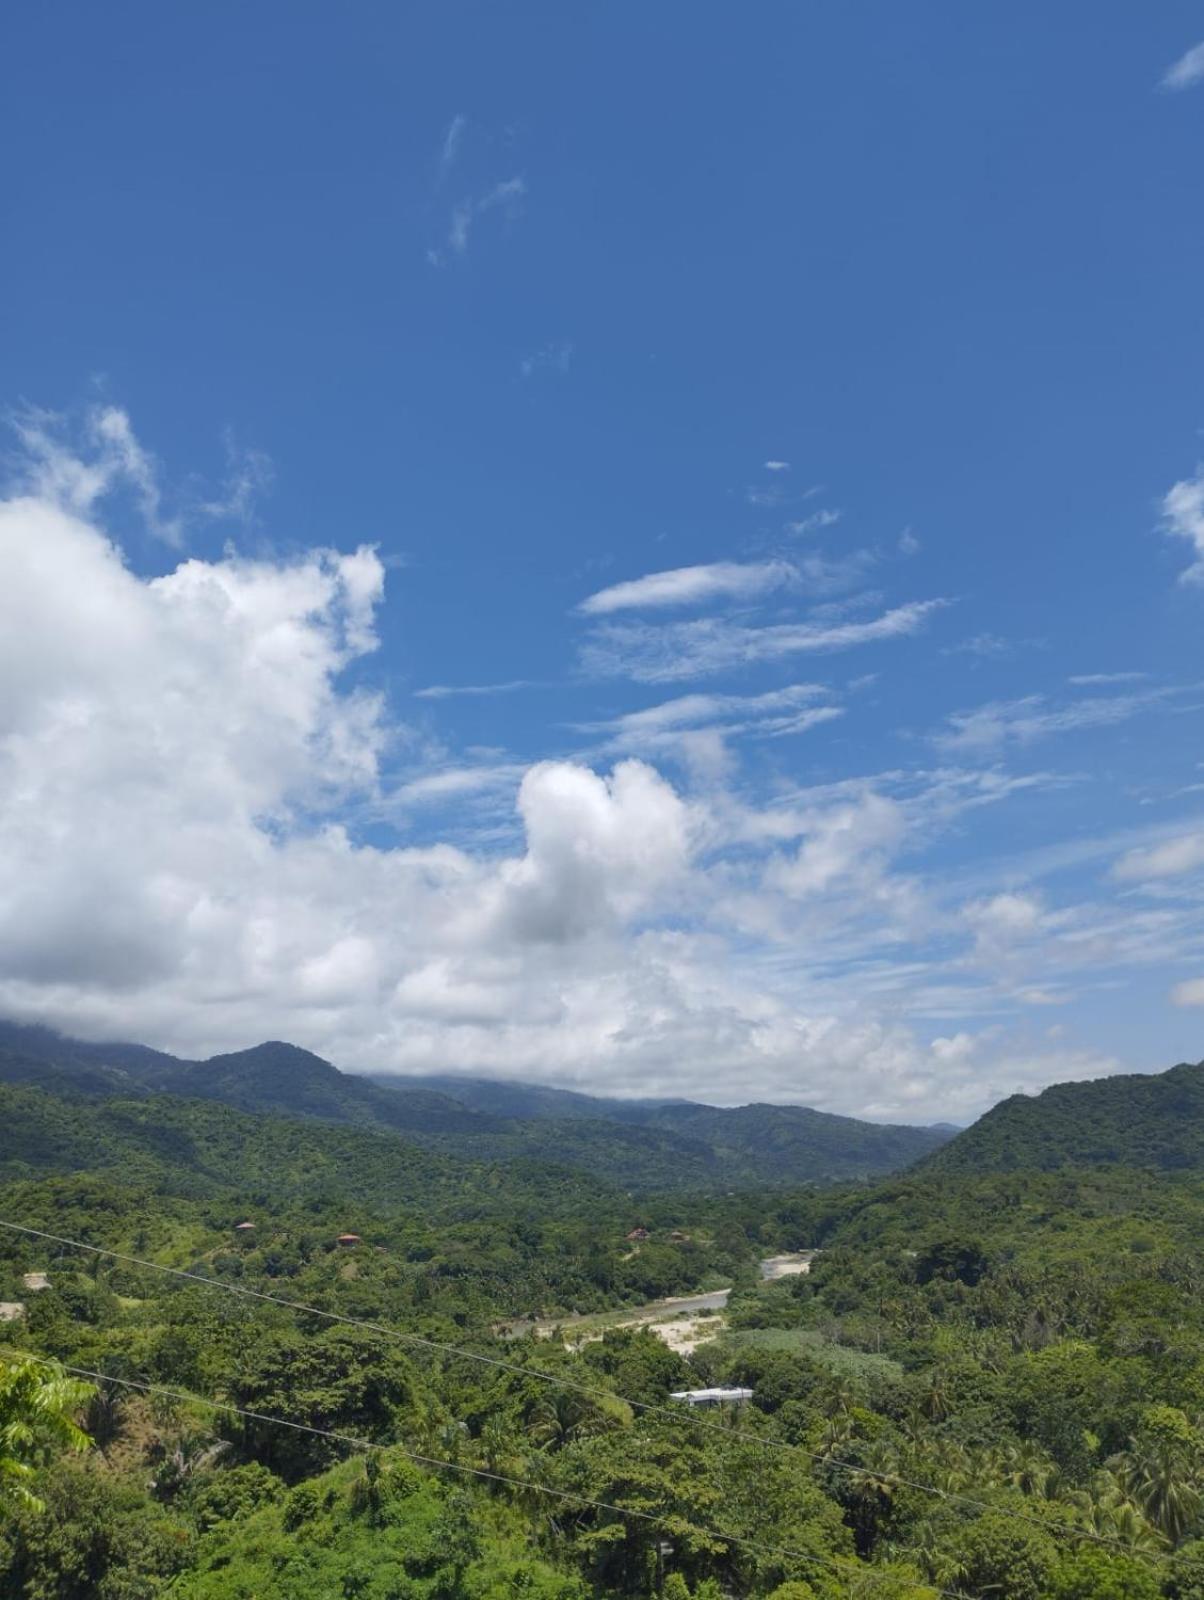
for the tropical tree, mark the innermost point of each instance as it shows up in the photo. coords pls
(1106, 1509)
(565, 1415)
(38, 1406)
(191, 1454)
(1023, 1466)
(1158, 1474)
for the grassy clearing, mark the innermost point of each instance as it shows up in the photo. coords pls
(808, 1342)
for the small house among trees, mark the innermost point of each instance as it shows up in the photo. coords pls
(348, 1239)
(713, 1397)
(638, 1233)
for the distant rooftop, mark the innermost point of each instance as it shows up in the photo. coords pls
(712, 1397)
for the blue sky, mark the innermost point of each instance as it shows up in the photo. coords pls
(772, 439)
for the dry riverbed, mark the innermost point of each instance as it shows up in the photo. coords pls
(682, 1321)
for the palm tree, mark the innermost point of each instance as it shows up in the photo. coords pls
(1126, 1523)
(839, 1399)
(1105, 1509)
(191, 1453)
(872, 1491)
(930, 1546)
(1157, 1473)
(500, 1449)
(559, 1418)
(102, 1418)
(38, 1405)
(836, 1436)
(935, 1402)
(947, 1465)
(1023, 1466)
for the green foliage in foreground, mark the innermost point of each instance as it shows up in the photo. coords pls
(38, 1403)
(1030, 1347)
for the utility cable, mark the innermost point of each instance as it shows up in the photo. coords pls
(844, 1568)
(675, 1414)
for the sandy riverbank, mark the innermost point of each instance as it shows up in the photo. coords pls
(682, 1321)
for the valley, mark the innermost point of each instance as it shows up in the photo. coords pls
(311, 1351)
(682, 1322)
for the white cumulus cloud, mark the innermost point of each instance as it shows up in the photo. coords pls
(187, 771)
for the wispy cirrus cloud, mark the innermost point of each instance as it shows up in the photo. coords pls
(507, 197)
(767, 495)
(983, 645)
(683, 586)
(447, 691)
(816, 522)
(1101, 680)
(791, 709)
(555, 357)
(1183, 517)
(451, 783)
(676, 651)
(989, 727)
(450, 149)
(250, 474)
(1172, 858)
(1187, 71)
(78, 472)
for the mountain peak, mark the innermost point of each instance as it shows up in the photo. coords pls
(1142, 1119)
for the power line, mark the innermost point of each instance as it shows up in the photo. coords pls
(845, 1568)
(594, 1391)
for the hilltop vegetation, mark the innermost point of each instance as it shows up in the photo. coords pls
(479, 1239)
(991, 1384)
(637, 1145)
(1141, 1120)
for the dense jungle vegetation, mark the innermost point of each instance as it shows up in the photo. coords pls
(637, 1144)
(990, 1385)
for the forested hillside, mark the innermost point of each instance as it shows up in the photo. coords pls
(1141, 1120)
(989, 1387)
(639, 1146)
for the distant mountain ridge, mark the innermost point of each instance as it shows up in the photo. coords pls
(505, 1098)
(1151, 1120)
(642, 1145)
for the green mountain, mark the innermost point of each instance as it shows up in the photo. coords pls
(1041, 1333)
(519, 1100)
(1139, 1120)
(783, 1138)
(754, 1143)
(270, 1077)
(640, 1145)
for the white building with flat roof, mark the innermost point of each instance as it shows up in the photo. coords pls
(713, 1397)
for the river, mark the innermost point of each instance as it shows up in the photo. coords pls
(682, 1310)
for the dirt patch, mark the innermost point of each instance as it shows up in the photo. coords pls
(787, 1266)
(685, 1334)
